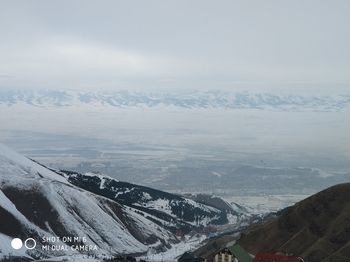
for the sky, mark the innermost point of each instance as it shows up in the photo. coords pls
(175, 44)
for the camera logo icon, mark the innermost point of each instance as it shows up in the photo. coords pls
(17, 243)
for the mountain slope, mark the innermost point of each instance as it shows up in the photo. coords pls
(38, 202)
(168, 206)
(317, 228)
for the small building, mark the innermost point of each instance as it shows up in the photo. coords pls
(232, 253)
(225, 255)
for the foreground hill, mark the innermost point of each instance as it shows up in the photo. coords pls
(115, 217)
(317, 228)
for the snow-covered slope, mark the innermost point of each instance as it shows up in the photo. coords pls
(45, 204)
(36, 202)
(177, 211)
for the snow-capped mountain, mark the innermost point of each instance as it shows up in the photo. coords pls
(112, 216)
(179, 212)
(195, 99)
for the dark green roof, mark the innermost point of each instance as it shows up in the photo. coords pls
(240, 253)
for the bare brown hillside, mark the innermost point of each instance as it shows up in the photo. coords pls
(317, 228)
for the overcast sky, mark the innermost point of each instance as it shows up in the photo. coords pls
(175, 44)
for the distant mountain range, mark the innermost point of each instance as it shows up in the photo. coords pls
(114, 216)
(195, 99)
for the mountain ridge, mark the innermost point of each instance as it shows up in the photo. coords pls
(188, 100)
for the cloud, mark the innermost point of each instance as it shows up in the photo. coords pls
(75, 60)
(199, 44)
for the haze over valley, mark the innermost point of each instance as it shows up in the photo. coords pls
(225, 143)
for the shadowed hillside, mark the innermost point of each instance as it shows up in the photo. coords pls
(317, 228)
